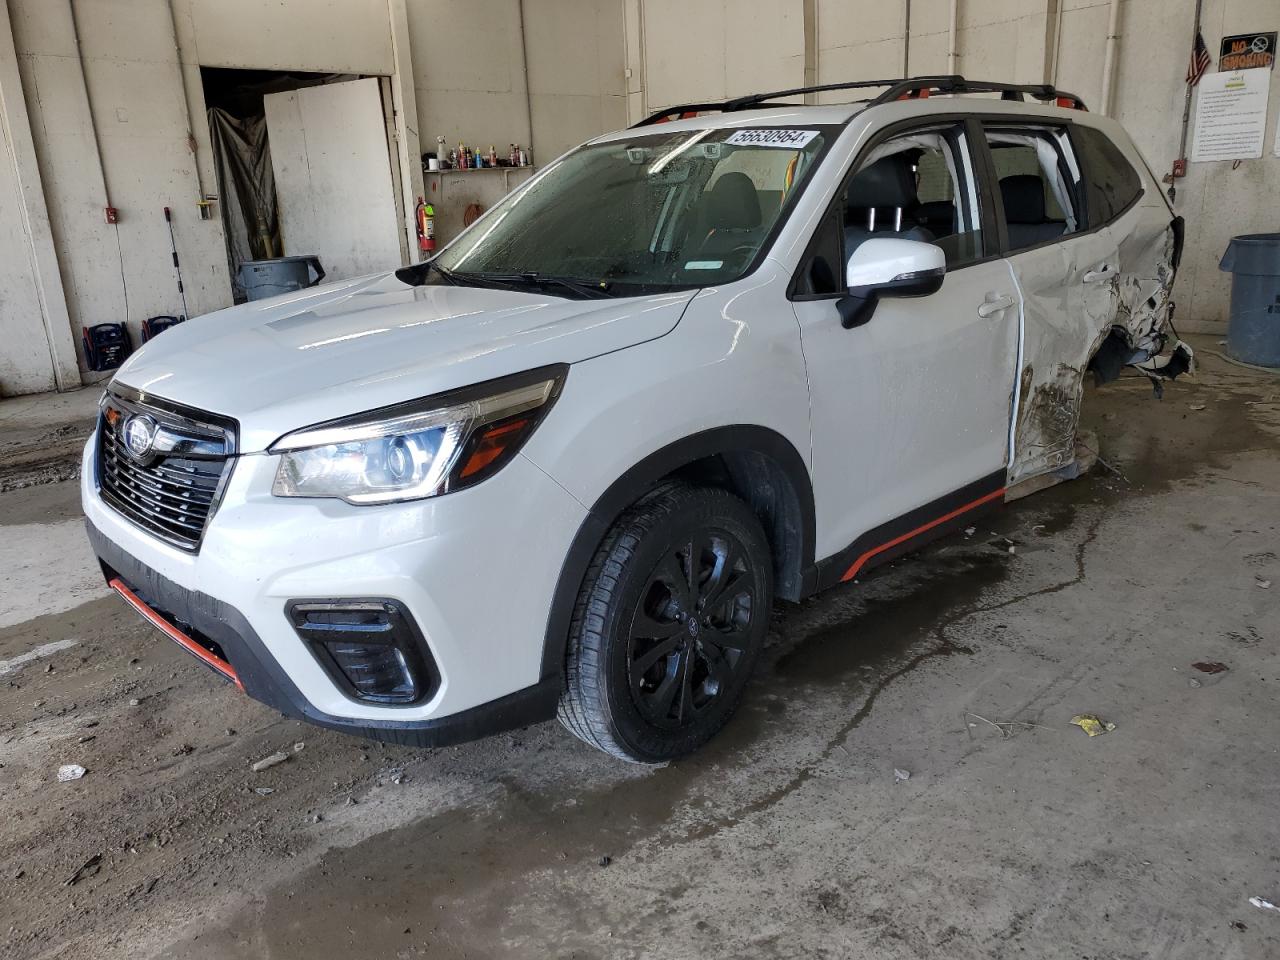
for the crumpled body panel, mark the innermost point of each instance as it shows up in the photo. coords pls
(1145, 285)
(1065, 321)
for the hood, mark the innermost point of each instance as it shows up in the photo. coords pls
(280, 364)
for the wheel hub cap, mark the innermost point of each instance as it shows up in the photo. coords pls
(691, 628)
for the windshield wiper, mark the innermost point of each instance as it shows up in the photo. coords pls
(584, 288)
(416, 275)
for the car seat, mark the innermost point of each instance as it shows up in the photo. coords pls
(937, 216)
(727, 216)
(1024, 211)
(876, 202)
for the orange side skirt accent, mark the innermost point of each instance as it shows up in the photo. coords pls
(862, 560)
(174, 634)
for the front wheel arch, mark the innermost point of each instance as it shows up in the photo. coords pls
(757, 464)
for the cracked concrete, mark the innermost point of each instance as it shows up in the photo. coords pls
(1016, 835)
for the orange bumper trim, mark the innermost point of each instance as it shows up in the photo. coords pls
(174, 634)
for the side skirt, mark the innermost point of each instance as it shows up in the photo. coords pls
(912, 530)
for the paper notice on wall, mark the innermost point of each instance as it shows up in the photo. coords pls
(1231, 116)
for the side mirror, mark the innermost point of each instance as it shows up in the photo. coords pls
(888, 267)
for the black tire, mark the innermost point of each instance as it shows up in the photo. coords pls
(649, 699)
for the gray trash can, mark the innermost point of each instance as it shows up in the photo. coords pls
(267, 278)
(1253, 332)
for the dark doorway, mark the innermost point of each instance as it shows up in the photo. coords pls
(242, 158)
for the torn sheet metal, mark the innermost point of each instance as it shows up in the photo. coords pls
(1129, 312)
(1144, 285)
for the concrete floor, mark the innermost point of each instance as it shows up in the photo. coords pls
(1015, 836)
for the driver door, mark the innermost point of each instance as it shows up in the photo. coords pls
(911, 411)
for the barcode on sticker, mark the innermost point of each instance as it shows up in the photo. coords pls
(772, 137)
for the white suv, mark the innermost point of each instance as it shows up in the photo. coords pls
(740, 351)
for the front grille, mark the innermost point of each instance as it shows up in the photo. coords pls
(173, 488)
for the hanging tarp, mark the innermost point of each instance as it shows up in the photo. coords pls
(242, 156)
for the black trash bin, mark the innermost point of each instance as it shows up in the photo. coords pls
(1253, 331)
(270, 278)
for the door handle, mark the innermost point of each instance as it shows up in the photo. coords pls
(993, 306)
(1103, 272)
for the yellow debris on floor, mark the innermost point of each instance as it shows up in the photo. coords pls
(1092, 725)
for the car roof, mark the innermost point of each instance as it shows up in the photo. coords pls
(777, 116)
(900, 98)
(782, 115)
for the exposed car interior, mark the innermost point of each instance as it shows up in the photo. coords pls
(882, 201)
(1025, 213)
(1038, 180)
(725, 218)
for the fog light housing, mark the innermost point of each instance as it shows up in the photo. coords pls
(371, 649)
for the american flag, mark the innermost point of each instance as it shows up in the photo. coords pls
(1200, 60)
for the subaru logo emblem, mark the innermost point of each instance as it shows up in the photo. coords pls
(139, 435)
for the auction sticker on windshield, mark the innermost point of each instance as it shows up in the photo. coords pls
(772, 137)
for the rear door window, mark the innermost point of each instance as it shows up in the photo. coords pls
(1112, 183)
(1039, 184)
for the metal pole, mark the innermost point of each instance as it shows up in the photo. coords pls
(1109, 63)
(952, 55)
(906, 38)
(186, 102)
(168, 218)
(88, 101)
(528, 91)
(1052, 79)
(1186, 104)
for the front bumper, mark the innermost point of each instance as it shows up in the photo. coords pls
(473, 573)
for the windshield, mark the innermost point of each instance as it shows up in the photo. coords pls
(649, 213)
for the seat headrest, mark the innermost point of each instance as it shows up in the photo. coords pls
(889, 182)
(1023, 196)
(732, 204)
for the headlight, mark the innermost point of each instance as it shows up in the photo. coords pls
(417, 449)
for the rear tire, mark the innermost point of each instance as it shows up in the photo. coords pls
(658, 659)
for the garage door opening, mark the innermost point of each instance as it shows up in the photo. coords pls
(305, 168)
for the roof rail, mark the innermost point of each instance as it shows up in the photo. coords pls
(909, 88)
(920, 87)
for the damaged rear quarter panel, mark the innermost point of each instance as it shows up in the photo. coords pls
(1146, 278)
(1062, 331)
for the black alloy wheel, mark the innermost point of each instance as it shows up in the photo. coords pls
(669, 623)
(691, 628)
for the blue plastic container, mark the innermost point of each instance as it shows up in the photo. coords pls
(1253, 330)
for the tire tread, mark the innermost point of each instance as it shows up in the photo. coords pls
(584, 708)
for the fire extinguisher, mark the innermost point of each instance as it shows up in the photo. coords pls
(426, 226)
